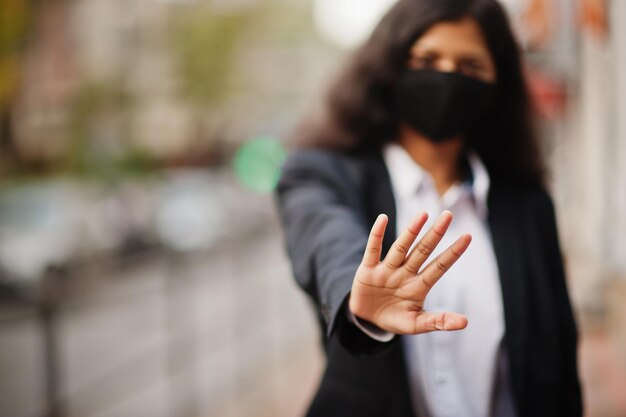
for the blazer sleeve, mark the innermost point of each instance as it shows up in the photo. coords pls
(570, 401)
(320, 199)
(325, 228)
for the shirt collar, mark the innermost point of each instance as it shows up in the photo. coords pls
(407, 176)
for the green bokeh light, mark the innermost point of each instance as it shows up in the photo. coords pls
(258, 162)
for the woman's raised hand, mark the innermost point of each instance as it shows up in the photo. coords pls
(391, 293)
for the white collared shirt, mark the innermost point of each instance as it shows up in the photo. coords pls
(452, 373)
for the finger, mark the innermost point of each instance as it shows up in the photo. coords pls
(428, 243)
(374, 247)
(442, 263)
(401, 246)
(428, 322)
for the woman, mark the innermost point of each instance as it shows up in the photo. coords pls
(432, 116)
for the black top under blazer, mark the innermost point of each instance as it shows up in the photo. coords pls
(328, 202)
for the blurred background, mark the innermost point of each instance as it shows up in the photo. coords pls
(142, 268)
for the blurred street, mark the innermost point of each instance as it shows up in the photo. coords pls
(222, 332)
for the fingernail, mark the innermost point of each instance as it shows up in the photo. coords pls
(418, 217)
(444, 216)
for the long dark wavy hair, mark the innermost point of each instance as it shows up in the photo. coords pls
(357, 113)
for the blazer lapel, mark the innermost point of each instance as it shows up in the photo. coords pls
(505, 223)
(380, 197)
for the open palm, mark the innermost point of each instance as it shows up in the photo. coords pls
(391, 293)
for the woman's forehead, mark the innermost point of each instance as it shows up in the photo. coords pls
(461, 36)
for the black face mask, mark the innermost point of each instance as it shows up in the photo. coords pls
(442, 105)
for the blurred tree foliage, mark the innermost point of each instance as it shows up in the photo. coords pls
(98, 125)
(212, 49)
(102, 111)
(15, 22)
(204, 42)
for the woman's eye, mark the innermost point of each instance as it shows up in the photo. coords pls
(471, 68)
(421, 62)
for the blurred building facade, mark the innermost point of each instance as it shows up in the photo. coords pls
(165, 80)
(591, 184)
(586, 63)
